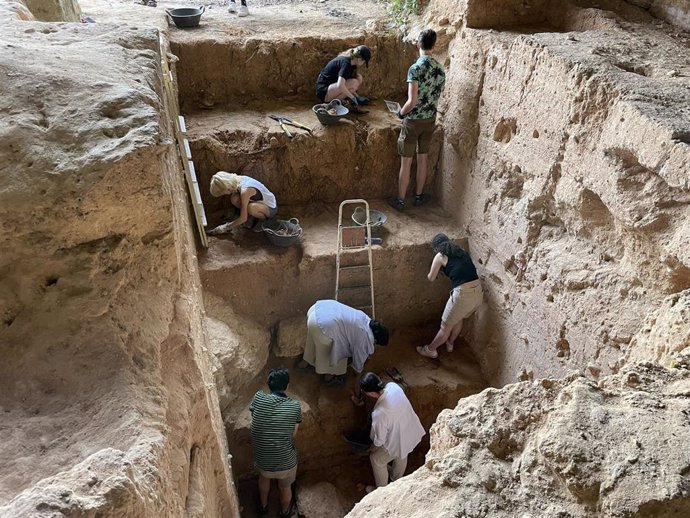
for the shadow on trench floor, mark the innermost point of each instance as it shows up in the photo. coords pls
(431, 386)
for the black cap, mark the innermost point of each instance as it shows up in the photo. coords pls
(365, 53)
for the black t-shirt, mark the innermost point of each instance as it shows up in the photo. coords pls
(336, 67)
(460, 270)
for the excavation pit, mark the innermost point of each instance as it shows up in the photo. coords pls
(259, 294)
(561, 161)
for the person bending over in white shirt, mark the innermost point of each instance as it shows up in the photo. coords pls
(336, 332)
(395, 429)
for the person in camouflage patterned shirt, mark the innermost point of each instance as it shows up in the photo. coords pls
(425, 80)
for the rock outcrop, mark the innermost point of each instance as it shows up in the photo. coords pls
(570, 447)
(54, 10)
(105, 390)
(566, 159)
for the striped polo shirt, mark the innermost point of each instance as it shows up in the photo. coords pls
(274, 416)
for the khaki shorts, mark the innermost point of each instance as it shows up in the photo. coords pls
(463, 301)
(284, 478)
(415, 135)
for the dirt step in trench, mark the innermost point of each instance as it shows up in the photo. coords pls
(292, 279)
(356, 158)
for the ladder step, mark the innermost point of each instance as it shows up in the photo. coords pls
(358, 247)
(354, 267)
(358, 287)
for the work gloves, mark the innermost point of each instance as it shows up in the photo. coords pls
(220, 229)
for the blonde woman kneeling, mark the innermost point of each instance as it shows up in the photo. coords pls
(255, 201)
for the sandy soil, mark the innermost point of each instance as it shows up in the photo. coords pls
(268, 19)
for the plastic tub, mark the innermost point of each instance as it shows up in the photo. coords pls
(327, 119)
(185, 17)
(282, 232)
(378, 218)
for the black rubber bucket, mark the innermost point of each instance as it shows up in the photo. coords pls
(185, 17)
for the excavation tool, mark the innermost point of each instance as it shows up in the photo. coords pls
(354, 273)
(397, 377)
(285, 121)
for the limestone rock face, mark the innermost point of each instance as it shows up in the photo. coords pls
(570, 448)
(320, 500)
(292, 334)
(54, 10)
(104, 385)
(676, 12)
(577, 209)
(240, 346)
(665, 332)
(15, 10)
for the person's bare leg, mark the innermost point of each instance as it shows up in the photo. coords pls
(334, 91)
(457, 329)
(258, 210)
(422, 161)
(264, 489)
(353, 84)
(441, 337)
(404, 176)
(285, 498)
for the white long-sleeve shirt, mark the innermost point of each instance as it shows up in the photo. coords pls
(349, 329)
(395, 426)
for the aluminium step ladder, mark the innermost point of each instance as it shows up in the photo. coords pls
(354, 274)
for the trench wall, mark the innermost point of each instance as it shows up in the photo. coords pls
(104, 384)
(235, 71)
(566, 160)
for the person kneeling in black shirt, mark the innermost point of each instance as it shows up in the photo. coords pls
(339, 79)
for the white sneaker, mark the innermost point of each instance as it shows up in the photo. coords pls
(243, 11)
(232, 7)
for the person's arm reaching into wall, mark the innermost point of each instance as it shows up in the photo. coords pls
(436, 265)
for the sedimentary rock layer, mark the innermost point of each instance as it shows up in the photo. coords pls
(571, 447)
(104, 382)
(566, 161)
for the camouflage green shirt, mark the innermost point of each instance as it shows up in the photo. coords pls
(430, 78)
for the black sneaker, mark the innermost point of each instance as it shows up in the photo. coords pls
(361, 100)
(421, 199)
(397, 204)
(335, 381)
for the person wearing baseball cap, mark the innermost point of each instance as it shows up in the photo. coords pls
(340, 78)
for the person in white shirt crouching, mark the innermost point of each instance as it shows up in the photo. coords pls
(395, 429)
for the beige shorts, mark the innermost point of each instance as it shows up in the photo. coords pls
(284, 478)
(463, 301)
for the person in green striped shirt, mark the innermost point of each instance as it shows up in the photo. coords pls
(275, 420)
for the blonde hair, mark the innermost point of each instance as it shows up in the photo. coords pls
(224, 183)
(352, 53)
